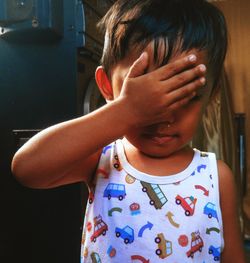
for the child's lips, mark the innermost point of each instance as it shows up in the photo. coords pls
(160, 138)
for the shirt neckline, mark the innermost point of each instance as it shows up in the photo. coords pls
(168, 179)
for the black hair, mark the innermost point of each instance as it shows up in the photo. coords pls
(185, 24)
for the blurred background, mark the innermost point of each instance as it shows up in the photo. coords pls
(232, 145)
(49, 51)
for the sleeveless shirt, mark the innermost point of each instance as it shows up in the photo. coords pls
(132, 216)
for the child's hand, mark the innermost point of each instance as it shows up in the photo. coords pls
(152, 96)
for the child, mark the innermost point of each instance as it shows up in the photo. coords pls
(152, 197)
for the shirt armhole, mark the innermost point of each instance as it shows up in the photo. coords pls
(215, 180)
(103, 166)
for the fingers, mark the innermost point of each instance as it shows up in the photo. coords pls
(168, 87)
(139, 66)
(185, 77)
(173, 68)
(186, 92)
(180, 103)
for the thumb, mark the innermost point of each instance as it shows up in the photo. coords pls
(139, 66)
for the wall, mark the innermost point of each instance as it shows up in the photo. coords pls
(37, 88)
(237, 68)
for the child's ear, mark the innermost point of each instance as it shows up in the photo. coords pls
(104, 83)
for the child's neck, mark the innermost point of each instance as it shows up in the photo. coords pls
(169, 165)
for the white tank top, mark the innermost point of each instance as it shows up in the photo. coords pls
(132, 216)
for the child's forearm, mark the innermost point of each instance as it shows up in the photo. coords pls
(62, 153)
(46, 157)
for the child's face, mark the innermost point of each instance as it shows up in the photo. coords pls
(162, 139)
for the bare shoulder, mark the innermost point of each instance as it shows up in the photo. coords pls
(227, 190)
(233, 249)
(227, 185)
(226, 177)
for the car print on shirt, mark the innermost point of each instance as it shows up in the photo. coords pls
(196, 244)
(164, 249)
(91, 195)
(203, 154)
(91, 188)
(215, 252)
(155, 194)
(100, 228)
(115, 190)
(210, 210)
(117, 164)
(187, 203)
(126, 233)
(95, 257)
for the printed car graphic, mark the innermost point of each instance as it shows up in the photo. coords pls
(164, 246)
(203, 154)
(155, 194)
(100, 228)
(115, 190)
(126, 233)
(117, 163)
(196, 244)
(187, 203)
(215, 252)
(95, 257)
(210, 210)
(91, 195)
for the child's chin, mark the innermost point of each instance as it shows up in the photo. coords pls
(155, 152)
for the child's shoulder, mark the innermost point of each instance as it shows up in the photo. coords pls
(227, 186)
(226, 178)
(225, 173)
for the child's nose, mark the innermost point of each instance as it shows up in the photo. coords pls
(165, 126)
(170, 120)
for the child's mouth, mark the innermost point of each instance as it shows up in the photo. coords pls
(160, 138)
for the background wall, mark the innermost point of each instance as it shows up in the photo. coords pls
(238, 73)
(46, 72)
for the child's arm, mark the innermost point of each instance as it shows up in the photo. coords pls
(233, 250)
(68, 152)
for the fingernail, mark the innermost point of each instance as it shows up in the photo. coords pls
(192, 58)
(202, 68)
(203, 80)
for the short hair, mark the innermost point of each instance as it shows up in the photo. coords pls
(185, 24)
